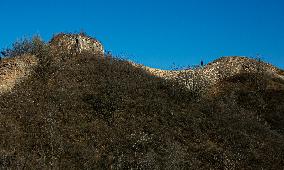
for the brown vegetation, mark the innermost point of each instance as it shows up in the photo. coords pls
(90, 112)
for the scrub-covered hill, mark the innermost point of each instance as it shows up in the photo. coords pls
(93, 112)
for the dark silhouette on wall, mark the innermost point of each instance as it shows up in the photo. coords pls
(3, 53)
(108, 54)
(77, 46)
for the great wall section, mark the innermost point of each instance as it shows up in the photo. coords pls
(16, 69)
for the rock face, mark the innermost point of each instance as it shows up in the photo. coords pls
(76, 43)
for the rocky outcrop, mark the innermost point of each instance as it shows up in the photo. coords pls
(76, 43)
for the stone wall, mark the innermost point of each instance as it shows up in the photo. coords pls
(230, 66)
(212, 73)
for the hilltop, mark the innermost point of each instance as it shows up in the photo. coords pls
(78, 109)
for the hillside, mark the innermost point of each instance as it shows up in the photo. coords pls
(14, 70)
(93, 112)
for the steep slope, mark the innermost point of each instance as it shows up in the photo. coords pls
(103, 113)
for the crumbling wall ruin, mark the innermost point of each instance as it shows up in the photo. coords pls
(76, 43)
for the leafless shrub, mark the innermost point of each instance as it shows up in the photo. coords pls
(89, 112)
(24, 46)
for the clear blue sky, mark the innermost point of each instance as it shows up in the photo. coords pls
(156, 33)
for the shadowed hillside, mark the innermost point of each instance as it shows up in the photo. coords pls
(94, 112)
